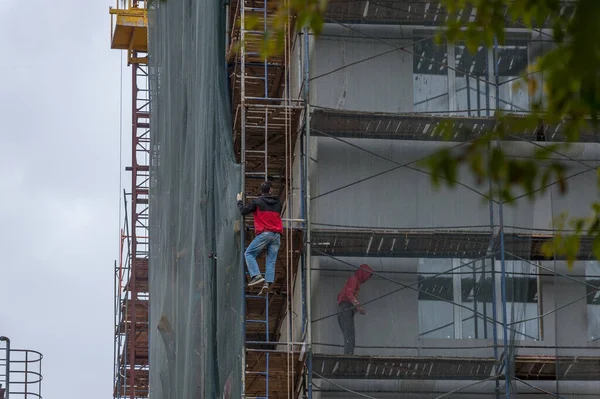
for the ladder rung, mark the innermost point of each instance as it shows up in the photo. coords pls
(265, 63)
(254, 32)
(253, 9)
(264, 98)
(255, 151)
(256, 105)
(255, 296)
(266, 343)
(256, 321)
(262, 127)
(255, 173)
(257, 372)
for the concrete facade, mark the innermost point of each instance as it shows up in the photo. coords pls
(404, 198)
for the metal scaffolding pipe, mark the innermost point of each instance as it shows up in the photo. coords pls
(243, 189)
(7, 340)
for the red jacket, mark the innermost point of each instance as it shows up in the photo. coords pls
(267, 213)
(350, 291)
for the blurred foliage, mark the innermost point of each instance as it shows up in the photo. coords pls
(569, 94)
(269, 36)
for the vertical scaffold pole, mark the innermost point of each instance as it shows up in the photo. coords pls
(492, 227)
(493, 278)
(7, 390)
(268, 340)
(134, 241)
(243, 187)
(307, 207)
(502, 255)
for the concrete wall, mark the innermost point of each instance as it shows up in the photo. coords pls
(370, 68)
(356, 87)
(405, 198)
(400, 198)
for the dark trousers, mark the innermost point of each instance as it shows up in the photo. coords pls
(346, 321)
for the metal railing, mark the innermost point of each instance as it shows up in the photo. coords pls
(124, 10)
(129, 4)
(20, 372)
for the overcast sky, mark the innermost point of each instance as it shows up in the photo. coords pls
(59, 188)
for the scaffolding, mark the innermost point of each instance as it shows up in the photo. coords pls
(493, 291)
(461, 296)
(265, 133)
(129, 32)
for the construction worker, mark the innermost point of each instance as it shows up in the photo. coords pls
(268, 229)
(348, 305)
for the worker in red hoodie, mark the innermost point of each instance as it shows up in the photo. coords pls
(348, 305)
(268, 229)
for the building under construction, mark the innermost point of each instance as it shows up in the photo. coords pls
(462, 303)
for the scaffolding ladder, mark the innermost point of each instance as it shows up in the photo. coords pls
(263, 137)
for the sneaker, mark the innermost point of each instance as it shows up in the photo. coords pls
(256, 280)
(265, 289)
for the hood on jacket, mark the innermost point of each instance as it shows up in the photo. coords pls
(363, 273)
(270, 199)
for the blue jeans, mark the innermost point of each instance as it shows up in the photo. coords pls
(267, 239)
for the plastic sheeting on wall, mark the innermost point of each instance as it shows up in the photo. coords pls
(196, 333)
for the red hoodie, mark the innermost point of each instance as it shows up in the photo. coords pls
(267, 211)
(350, 291)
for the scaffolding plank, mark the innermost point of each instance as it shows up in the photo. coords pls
(564, 368)
(432, 244)
(409, 12)
(414, 126)
(400, 243)
(402, 367)
(527, 367)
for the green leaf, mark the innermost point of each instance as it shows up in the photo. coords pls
(596, 246)
(571, 248)
(497, 167)
(251, 22)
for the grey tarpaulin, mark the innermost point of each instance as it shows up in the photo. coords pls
(196, 302)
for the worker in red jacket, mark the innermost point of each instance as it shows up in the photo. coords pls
(348, 305)
(268, 228)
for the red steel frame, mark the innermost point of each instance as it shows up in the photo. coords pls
(132, 362)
